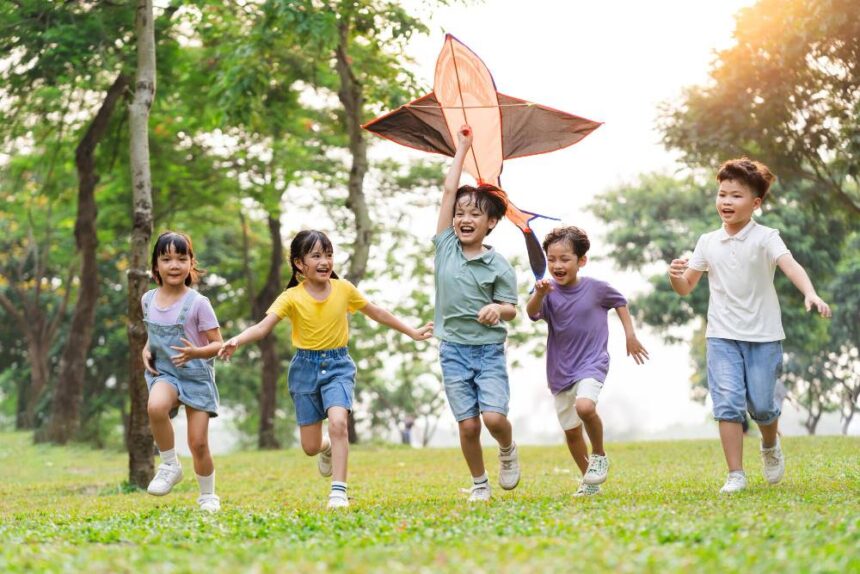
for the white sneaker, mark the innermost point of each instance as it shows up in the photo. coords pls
(735, 482)
(337, 500)
(774, 463)
(509, 469)
(598, 469)
(587, 489)
(167, 476)
(209, 502)
(324, 460)
(480, 493)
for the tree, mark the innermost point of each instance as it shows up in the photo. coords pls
(139, 435)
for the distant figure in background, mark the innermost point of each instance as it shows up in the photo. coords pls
(406, 431)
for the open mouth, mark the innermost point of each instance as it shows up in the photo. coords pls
(466, 229)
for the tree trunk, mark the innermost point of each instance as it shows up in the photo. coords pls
(269, 345)
(140, 463)
(65, 408)
(38, 354)
(351, 98)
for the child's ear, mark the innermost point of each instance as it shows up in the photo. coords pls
(492, 222)
(757, 202)
(299, 265)
(583, 260)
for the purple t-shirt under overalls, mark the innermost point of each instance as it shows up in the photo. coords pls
(576, 347)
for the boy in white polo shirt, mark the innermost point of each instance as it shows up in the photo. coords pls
(744, 332)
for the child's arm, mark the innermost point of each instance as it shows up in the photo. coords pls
(797, 274)
(384, 317)
(496, 311)
(249, 335)
(682, 278)
(542, 287)
(189, 351)
(634, 347)
(452, 180)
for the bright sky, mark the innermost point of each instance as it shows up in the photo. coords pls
(613, 62)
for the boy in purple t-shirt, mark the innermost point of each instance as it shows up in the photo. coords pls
(577, 361)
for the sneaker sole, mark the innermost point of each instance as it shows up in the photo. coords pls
(510, 487)
(595, 481)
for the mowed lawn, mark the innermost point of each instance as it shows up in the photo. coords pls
(65, 510)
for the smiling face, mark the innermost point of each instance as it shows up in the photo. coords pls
(173, 267)
(563, 263)
(317, 264)
(735, 204)
(471, 223)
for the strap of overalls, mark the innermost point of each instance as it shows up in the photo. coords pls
(186, 306)
(147, 299)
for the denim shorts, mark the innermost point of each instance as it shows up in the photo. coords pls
(742, 377)
(476, 378)
(195, 385)
(319, 380)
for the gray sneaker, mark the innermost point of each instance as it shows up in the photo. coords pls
(509, 469)
(774, 463)
(598, 469)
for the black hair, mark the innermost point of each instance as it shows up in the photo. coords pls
(182, 244)
(302, 244)
(754, 174)
(487, 198)
(573, 236)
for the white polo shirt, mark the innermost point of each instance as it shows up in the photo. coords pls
(743, 304)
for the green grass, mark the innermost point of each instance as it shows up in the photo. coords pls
(65, 510)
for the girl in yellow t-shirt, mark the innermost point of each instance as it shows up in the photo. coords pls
(322, 374)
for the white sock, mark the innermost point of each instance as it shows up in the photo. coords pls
(506, 450)
(482, 480)
(169, 457)
(207, 483)
(338, 489)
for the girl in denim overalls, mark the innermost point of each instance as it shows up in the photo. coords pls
(322, 374)
(183, 340)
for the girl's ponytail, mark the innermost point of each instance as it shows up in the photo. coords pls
(293, 280)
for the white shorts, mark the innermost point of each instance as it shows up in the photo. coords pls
(565, 401)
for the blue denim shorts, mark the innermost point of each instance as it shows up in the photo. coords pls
(476, 378)
(742, 377)
(319, 380)
(195, 385)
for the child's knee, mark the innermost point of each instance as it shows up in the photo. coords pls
(495, 422)
(158, 409)
(585, 408)
(470, 429)
(338, 427)
(310, 448)
(199, 447)
(574, 435)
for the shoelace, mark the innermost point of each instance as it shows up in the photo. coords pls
(771, 456)
(162, 473)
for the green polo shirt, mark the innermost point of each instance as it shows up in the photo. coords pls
(464, 287)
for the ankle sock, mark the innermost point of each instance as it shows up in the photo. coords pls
(207, 483)
(169, 457)
(506, 450)
(338, 489)
(482, 480)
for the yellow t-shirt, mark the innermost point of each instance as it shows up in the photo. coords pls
(319, 325)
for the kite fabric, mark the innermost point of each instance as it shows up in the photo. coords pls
(504, 127)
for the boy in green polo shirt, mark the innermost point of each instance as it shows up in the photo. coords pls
(476, 289)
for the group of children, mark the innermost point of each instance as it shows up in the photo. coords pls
(476, 294)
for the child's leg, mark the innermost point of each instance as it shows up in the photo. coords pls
(587, 411)
(577, 447)
(198, 441)
(499, 426)
(311, 438)
(727, 387)
(732, 439)
(339, 435)
(162, 398)
(470, 444)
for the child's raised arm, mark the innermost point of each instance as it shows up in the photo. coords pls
(634, 347)
(797, 275)
(542, 287)
(452, 180)
(682, 278)
(385, 317)
(249, 335)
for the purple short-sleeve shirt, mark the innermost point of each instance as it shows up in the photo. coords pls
(201, 318)
(576, 347)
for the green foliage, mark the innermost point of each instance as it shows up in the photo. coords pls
(67, 509)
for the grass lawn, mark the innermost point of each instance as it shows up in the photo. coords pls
(64, 510)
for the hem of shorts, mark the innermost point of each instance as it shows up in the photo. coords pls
(468, 415)
(728, 420)
(499, 410)
(212, 414)
(769, 421)
(577, 425)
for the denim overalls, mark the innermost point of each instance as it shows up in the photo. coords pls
(195, 380)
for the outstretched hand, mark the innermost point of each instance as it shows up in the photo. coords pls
(543, 286)
(636, 350)
(423, 333)
(227, 349)
(816, 301)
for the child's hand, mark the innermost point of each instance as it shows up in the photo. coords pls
(677, 268)
(423, 333)
(636, 350)
(543, 286)
(823, 308)
(147, 361)
(228, 348)
(464, 136)
(186, 353)
(490, 314)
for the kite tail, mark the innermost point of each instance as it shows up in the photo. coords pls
(521, 219)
